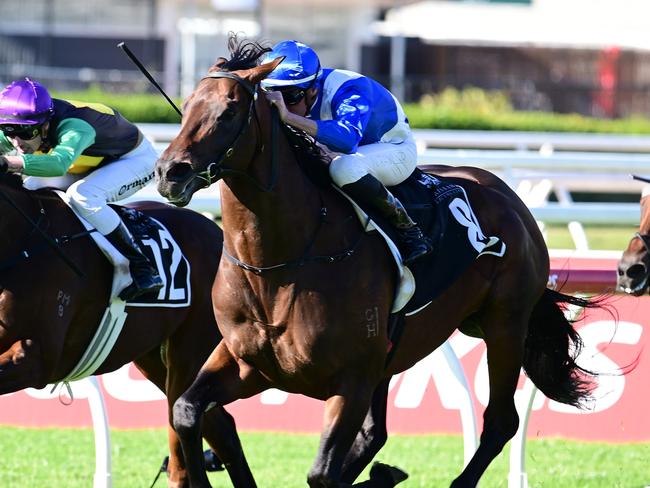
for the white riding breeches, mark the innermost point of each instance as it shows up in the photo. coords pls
(90, 192)
(388, 162)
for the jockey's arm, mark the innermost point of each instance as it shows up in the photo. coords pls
(291, 118)
(5, 144)
(350, 116)
(302, 123)
(73, 136)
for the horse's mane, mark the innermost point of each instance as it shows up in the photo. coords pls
(313, 162)
(244, 53)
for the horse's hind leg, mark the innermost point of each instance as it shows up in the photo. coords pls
(505, 332)
(222, 379)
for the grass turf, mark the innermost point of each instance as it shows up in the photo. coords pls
(65, 458)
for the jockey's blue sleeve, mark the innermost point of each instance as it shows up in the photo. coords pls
(351, 110)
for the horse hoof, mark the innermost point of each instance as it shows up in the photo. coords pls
(385, 472)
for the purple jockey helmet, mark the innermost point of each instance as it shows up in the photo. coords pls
(25, 102)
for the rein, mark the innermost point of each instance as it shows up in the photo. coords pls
(53, 243)
(302, 261)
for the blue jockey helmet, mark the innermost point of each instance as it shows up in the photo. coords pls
(300, 67)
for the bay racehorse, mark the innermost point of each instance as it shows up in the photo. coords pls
(49, 312)
(303, 295)
(634, 265)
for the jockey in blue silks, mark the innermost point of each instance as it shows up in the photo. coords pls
(360, 123)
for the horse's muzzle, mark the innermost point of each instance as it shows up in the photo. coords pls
(632, 278)
(173, 179)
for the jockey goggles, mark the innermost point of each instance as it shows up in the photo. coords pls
(291, 95)
(22, 131)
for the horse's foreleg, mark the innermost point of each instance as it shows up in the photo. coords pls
(343, 418)
(220, 432)
(222, 379)
(500, 420)
(153, 368)
(21, 367)
(371, 438)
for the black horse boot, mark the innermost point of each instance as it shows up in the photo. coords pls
(368, 190)
(145, 276)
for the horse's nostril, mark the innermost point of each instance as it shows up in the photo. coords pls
(179, 172)
(636, 271)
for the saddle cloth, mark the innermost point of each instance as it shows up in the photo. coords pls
(174, 269)
(443, 212)
(157, 243)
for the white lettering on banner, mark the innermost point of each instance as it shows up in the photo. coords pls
(610, 384)
(121, 386)
(273, 396)
(415, 380)
(412, 384)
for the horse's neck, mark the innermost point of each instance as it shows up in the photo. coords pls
(270, 225)
(12, 224)
(20, 206)
(644, 226)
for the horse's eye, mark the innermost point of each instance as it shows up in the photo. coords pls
(227, 115)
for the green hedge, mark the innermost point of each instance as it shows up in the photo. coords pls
(139, 107)
(467, 109)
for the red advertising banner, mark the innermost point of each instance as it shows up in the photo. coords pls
(426, 398)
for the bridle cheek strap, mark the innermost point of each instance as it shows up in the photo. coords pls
(216, 170)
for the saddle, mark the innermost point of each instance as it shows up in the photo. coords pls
(160, 247)
(443, 212)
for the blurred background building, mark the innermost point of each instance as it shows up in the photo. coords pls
(585, 56)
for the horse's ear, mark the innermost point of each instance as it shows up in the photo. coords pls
(217, 66)
(260, 72)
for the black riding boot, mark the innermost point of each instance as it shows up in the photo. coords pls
(369, 191)
(145, 276)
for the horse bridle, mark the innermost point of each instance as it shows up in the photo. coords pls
(217, 170)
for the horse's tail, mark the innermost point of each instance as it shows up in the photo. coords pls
(551, 348)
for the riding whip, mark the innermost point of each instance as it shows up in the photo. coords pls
(124, 47)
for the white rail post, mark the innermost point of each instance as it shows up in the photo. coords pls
(517, 477)
(102, 478)
(467, 411)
